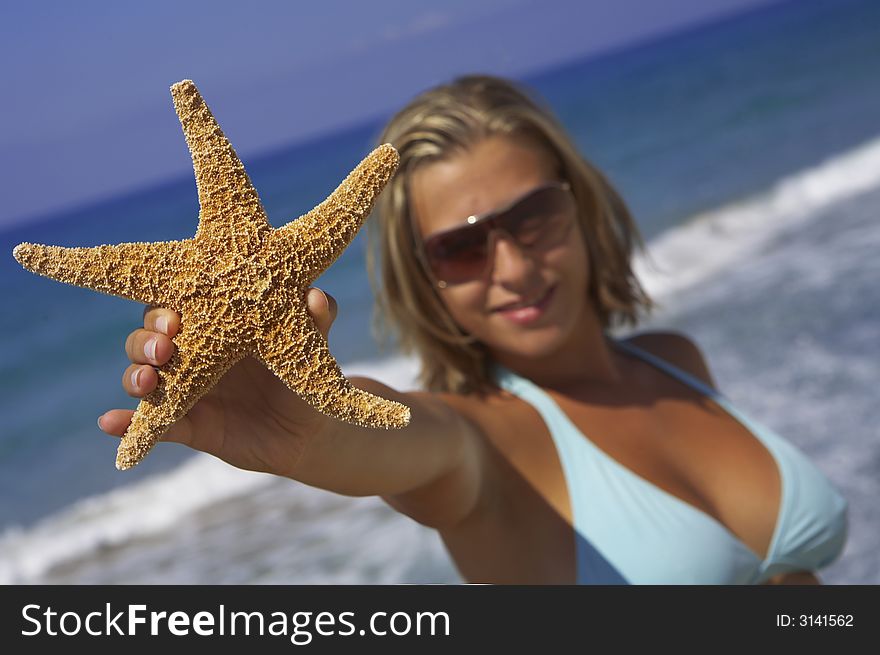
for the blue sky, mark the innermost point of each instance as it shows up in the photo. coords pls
(86, 108)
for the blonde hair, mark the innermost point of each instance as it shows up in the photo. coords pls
(435, 125)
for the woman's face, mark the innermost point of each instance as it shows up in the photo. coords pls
(525, 303)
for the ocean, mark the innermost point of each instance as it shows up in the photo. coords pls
(749, 152)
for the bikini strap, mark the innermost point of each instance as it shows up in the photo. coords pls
(662, 364)
(521, 386)
(557, 421)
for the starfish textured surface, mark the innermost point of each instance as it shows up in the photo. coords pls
(238, 284)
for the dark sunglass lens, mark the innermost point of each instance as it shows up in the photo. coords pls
(458, 255)
(540, 217)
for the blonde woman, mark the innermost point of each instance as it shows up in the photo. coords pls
(543, 450)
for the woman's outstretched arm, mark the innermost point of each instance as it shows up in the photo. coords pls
(429, 469)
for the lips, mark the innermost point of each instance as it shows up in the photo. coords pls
(522, 314)
(521, 305)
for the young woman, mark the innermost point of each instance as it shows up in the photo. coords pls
(543, 450)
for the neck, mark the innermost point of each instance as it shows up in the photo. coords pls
(586, 358)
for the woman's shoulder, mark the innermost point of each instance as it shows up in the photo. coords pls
(496, 415)
(677, 349)
(486, 410)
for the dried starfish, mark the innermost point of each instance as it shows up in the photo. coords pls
(239, 285)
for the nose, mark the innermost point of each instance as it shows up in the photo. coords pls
(510, 264)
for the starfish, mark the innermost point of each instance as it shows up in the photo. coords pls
(239, 285)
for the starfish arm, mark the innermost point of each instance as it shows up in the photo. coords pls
(129, 270)
(196, 366)
(226, 195)
(320, 236)
(297, 353)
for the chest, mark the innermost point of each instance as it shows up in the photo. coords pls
(680, 444)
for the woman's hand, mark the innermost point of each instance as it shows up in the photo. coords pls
(249, 419)
(431, 468)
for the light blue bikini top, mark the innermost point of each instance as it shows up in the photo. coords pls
(630, 531)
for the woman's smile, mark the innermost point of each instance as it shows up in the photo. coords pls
(525, 313)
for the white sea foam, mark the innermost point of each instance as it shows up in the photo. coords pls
(148, 507)
(712, 241)
(120, 515)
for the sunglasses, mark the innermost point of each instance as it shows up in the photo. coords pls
(536, 221)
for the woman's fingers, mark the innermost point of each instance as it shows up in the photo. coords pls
(322, 306)
(159, 319)
(116, 421)
(148, 347)
(139, 380)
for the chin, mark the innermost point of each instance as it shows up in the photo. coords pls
(532, 344)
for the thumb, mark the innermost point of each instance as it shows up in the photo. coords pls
(322, 307)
